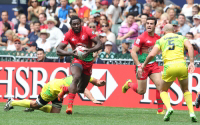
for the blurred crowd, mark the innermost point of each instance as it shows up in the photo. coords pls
(117, 24)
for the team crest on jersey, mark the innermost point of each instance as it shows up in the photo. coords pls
(138, 41)
(73, 39)
(83, 37)
(148, 41)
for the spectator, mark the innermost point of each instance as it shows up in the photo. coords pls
(97, 60)
(103, 39)
(91, 19)
(172, 14)
(135, 8)
(184, 28)
(159, 11)
(17, 11)
(176, 27)
(56, 34)
(107, 53)
(63, 11)
(4, 17)
(81, 10)
(42, 41)
(195, 10)
(93, 27)
(97, 19)
(98, 7)
(32, 37)
(114, 12)
(51, 8)
(187, 8)
(147, 9)
(18, 46)
(61, 26)
(32, 47)
(34, 10)
(110, 36)
(90, 4)
(161, 3)
(125, 46)
(22, 29)
(42, 18)
(31, 27)
(148, 1)
(142, 24)
(128, 31)
(103, 19)
(10, 43)
(64, 59)
(3, 39)
(41, 56)
(196, 28)
(104, 6)
(154, 6)
(189, 36)
(71, 12)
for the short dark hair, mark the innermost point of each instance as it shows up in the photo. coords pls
(197, 7)
(44, 14)
(144, 14)
(130, 14)
(190, 33)
(6, 24)
(74, 18)
(152, 18)
(37, 21)
(40, 49)
(181, 15)
(4, 11)
(161, 1)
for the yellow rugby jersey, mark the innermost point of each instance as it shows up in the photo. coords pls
(172, 46)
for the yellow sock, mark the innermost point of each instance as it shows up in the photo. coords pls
(188, 100)
(166, 100)
(23, 103)
(46, 108)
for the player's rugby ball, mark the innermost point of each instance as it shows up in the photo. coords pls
(80, 50)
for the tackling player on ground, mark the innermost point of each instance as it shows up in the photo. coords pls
(80, 69)
(172, 47)
(49, 93)
(143, 46)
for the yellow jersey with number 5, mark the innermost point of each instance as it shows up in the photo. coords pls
(172, 46)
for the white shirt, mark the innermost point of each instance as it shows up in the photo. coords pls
(10, 47)
(56, 36)
(187, 11)
(195, 29)
(45, 46)
(90, 4)
(115, 12)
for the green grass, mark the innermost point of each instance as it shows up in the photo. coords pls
(86, 115)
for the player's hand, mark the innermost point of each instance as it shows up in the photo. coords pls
(101, 82)
(97, 102)
(74, 54)
(140, 70)
(191, 67)
(87, 52)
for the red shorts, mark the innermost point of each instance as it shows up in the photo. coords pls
(148, 70)
(85, 66)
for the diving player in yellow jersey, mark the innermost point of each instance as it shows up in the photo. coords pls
(172, 47)
(49, 93)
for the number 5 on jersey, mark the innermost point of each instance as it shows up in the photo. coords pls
(171, 45)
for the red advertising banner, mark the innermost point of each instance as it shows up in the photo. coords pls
(21, 80)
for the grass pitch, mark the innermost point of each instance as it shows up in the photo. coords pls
(87, 115)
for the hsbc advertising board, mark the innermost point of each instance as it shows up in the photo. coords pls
(22, 80)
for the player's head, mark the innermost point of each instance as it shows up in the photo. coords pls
(168, 28)
(75, 23)
(40, 54)
(151, 24)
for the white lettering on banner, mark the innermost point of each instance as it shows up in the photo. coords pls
(22, 82)
(60, 69)
(36, 82)
(175, 89)
(98, 73)
(8, 82)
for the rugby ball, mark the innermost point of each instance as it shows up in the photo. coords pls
(80, 50)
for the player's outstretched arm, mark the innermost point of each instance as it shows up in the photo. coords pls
(97, 82)
(190, 49)
(61, 52)
(89, 95)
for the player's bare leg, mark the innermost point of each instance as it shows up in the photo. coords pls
(156, 79)
(164, 86)
(76, 70)
(188, 98)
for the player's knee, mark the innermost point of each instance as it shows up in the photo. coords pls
(76, 78)
(141, 92)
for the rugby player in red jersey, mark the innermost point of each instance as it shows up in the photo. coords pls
(80, 69)
(143, 46)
